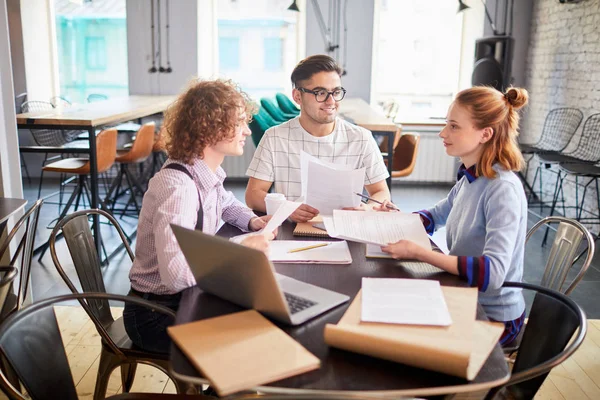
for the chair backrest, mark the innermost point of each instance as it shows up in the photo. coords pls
(286, 104)
(588, 148)
(35, 106)
(27, 225)
(31, 341)
(19, 100)
(47, 137)
(405, 154)
(59, 101)
(93, 97)
(77, 233)
(261, 121)
(106, 149)
(553, 320)
(7, 276)
(562, 257)
(142, 145)
(273, 110)
(559, 127)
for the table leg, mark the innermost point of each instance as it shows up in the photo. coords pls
(94, 187)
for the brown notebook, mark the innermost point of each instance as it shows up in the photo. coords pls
(241, 350)
(459, 349)
(307, 228)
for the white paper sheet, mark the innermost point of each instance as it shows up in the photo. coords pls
(283, 212)
(334, 253)
(327, 186)
(404, 301)
(379, 228)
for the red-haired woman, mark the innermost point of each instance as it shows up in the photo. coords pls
(206, 123)
(485, 213)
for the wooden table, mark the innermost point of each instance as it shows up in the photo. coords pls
(9, 206)
(359, 112)
(91, 117)
(342, 372)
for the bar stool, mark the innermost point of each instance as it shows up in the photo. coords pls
(106, 150)
(137, 154)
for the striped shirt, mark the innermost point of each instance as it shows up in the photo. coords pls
(277, 158)
(173, 198)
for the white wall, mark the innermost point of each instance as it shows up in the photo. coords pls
(10, 171)
(360, 16)
(183, 46)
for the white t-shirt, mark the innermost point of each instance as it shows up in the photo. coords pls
(277, 158)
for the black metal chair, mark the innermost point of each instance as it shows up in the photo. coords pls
(592, 172)
(30, 340)
(559, 128)
(7, 276)
(553, 320)
(587, 151)
(117, 348)
(27, 224)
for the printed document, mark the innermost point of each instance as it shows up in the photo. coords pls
(404, 301)
(283, 212)
(379, 228)
(327, 186)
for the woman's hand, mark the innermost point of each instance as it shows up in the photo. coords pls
(403, 250)
(259, 242)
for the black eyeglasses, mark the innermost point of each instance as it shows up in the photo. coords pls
(321, 95)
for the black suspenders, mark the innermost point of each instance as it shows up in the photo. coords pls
(183, 169)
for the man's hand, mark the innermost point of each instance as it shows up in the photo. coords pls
(304, 213)
(259, 242)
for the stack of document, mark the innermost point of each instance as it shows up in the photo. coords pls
(459, 349)
(377, 228)
(327, 186)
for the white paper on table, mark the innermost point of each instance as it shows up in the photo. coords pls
(378, 228)
(283, 212)
(404, 301)
(336, 252)
(327, 186)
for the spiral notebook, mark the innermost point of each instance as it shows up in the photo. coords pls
(307, 229)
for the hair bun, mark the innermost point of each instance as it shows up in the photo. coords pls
(516, 97)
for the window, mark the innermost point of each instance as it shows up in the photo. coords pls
(229, 53)
(265, 49)
(95, 53)
(273, 51)
(417, 56)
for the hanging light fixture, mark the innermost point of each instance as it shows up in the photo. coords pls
(293, 6)
(461, 6)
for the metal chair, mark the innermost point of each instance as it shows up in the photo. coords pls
(28, 222)
(59, 101)
(553, 320)
(584, 171)
(117, 348)
(31, 342)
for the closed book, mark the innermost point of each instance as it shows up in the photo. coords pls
(459, 349)
(307, 229)
(241, 350)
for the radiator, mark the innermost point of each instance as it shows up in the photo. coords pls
(236, 167)
(433, 164)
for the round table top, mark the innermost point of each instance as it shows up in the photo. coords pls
(342, 370)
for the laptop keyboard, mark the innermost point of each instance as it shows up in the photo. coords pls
(297, 304)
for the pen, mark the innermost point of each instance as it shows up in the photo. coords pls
(314, 246)
(390, 206)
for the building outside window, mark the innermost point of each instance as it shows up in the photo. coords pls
(417, 56)
(92, 48)
(266, 50)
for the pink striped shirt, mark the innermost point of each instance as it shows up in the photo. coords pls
(172, 198)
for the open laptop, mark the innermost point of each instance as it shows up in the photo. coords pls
(246, 277)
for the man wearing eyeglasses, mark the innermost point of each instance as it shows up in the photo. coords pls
(318, 131)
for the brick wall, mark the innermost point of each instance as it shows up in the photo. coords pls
(563, 70)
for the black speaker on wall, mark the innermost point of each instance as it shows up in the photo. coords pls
(493, 61)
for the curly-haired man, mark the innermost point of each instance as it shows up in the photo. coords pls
(206, 123)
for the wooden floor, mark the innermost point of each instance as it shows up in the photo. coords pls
(577, 378)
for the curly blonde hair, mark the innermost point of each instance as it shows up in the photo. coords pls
(205, 114)
(491, 108)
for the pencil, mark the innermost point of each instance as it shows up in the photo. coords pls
(390, 206)
(314, 246)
